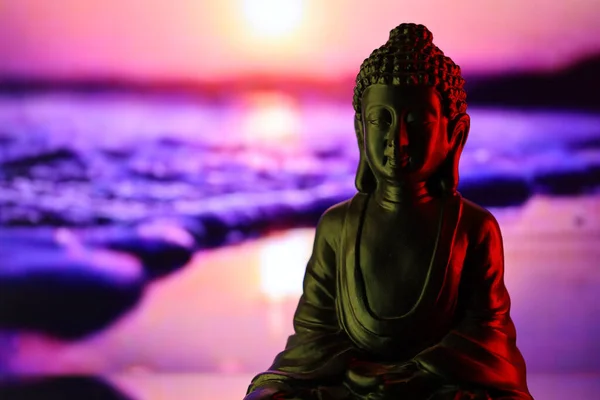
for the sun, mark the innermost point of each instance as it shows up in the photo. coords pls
(273, 18)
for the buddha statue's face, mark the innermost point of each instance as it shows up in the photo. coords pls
(405, 132)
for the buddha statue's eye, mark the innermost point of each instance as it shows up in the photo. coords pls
(381, 118)
(416, 119)
(413, 118)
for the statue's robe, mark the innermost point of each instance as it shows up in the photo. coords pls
(459, 329)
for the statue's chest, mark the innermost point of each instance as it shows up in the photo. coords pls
(394, 256)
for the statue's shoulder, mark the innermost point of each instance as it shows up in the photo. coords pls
(478, 220)
(334, 216)
(333, 219)
(337, 214)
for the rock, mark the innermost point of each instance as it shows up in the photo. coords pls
(59, 164)
(496, 190)
(563, 183)
(159, 257)
(67, 292)
(162, 247)
(568, 180)
(59, 388)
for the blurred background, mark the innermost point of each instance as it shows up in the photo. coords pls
(163, 165)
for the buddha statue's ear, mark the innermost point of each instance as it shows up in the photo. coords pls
(365, 180)
(458, 131)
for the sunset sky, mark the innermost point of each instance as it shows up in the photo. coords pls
(203, 39)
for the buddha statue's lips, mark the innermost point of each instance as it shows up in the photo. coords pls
(394, 162)
(397, 154)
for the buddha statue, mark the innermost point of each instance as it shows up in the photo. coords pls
(404, 294)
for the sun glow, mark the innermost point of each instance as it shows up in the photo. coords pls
(273, 18)
(272, 120)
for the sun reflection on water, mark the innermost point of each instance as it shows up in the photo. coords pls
(282, 264)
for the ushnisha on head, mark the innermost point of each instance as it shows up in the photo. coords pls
(405, 76)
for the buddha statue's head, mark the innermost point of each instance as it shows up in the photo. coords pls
(410, 113)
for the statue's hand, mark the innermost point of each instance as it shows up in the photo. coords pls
(400, 375)
(278, 393)
(297, 395)
(411, 381)
(376, 396)
(270, 393)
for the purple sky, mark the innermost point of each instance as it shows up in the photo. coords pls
(204, 39)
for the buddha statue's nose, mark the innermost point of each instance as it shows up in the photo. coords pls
(402, 136)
